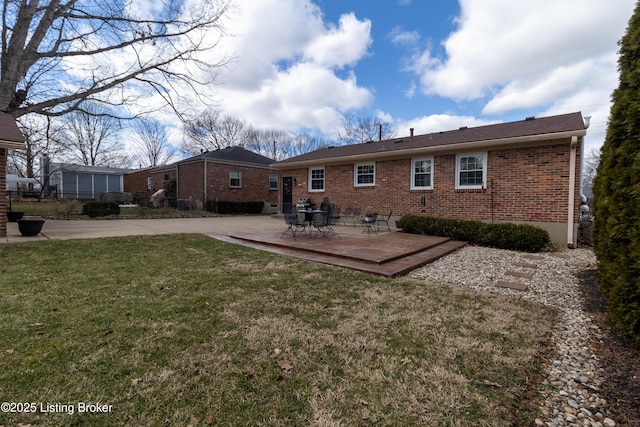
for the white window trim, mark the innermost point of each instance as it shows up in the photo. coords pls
(239, 179)
(276, 181)
(355, 174)
(413, 173)
(324, 179)
(484, 171)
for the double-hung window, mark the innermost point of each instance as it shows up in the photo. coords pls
(316, 179)
(422, 174)
(364, 174)
(235, 179)
(471, 170)
(273, 181)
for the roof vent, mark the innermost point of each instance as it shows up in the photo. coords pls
(463, 128)
(530, 118)
(369, 142)
(329, 147)
(397, 141)
(411, 132)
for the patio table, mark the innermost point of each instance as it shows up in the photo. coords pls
(309, 219)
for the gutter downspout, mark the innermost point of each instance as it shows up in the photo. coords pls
(572, 192)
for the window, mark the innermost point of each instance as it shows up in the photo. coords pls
(273, 181)
(422, 174)
(471, 170)
(316, 179)
(364, 174)
(235, 179)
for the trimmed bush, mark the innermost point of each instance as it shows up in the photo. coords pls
(234, 208)
(520, 237)
(97, 209)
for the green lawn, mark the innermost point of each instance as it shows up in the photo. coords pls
(184, 329)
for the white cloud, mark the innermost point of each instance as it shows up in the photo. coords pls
(438, 123)
(341, 46)
(524, 54)
(292, 69)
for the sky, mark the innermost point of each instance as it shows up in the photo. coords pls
(433, 65)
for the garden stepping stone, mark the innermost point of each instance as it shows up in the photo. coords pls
(524, 264)
(512, 285)
(519, 274)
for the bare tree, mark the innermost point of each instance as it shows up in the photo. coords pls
(57, 54)
(91, 137)
(41, 138)
(211, 131)
(151, 144)
(359, 128)
(590, 166)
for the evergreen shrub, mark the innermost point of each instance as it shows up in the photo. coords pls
(616, 192)
(520, 237)
(98, 209)
(234, 208)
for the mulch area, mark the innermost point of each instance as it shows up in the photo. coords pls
(618, 358)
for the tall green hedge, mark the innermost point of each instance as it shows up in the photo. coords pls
(521, 237)
(616, 208)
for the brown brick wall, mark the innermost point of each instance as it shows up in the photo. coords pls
(136, 182)
(255, 182)
(3, 192)
(523, 185)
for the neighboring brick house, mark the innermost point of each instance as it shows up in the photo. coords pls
(148, 180)
(522, 172)
(10, 138)
(231, 174)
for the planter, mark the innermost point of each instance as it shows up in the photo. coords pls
(14, 216)
(30, 227)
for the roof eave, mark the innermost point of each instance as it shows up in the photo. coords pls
(436, 149)
(13, 145)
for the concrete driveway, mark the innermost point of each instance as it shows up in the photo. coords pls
(90, 229)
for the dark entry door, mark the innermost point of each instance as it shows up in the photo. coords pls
(287, 194)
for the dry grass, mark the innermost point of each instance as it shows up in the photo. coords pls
(186, 329)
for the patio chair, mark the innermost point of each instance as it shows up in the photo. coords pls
(346, 215)
(384, 221)
(332, 220)
(294, 224)
(357, 213)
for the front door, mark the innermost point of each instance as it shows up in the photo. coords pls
(287, 194)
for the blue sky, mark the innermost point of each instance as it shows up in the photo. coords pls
(432, 65)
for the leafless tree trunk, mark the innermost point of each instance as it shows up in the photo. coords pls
(57, 54)
(151, 144)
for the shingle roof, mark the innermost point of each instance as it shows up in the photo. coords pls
(530, 127)
(234, 155)
(9, 131)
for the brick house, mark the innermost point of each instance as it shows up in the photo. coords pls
(10, 138)
(523, 172)
(231, 174)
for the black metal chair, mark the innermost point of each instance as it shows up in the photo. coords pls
(294, 224)
(384, 221)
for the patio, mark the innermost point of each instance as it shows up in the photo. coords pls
(385, 253)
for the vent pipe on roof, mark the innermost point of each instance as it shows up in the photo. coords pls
(411, 132)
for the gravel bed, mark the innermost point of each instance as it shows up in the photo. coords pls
(573, 378)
